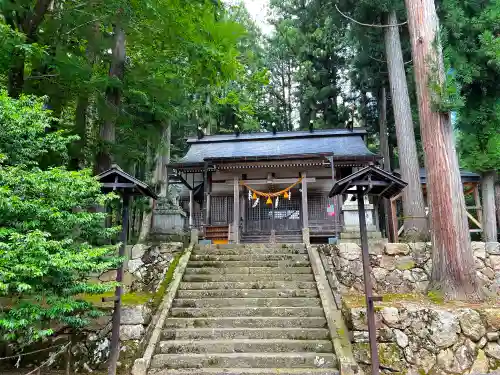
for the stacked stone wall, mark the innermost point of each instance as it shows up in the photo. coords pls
(404, 268)
(416, 338)
(417, 333)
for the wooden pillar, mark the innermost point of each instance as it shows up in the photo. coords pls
(206, 196)
(191, 208)
(305, 213)
(236, 210)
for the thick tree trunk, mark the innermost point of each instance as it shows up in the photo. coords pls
(415, 222)
(384, 134)
(148, 215)
(453, 272)
(113, 99)
(16, 75)
(497, 202)
(165, 159)
(384, 150)
(78, 157)
(289, 99)
(29, 26)
(162, 159)
(489, 215)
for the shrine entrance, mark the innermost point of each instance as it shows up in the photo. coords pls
(284, 215)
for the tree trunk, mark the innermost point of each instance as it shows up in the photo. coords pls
(497, 202)
(415, 222)
(29, 26)
(113, 98)
(165, 159)
(384, 134)
(148, 215)
(289, 99)
(489, 214)
(384, 150)
(16, 75)
(82, 105)
(453, 271)
(162, 159)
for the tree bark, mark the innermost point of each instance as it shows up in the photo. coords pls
(162, 159)
(148, 214)
(384, 134)
(82, 105)
(289, 99)
(113, 99)
(165, 159)
(29, 26)
(489, 215)
(415, 221)
(497, 202)
(453, 272)
(384, 150)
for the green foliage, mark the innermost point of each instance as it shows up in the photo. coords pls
(23, 136)
(50, 240)
(472, 46)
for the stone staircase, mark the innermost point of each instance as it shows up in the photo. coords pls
(246, 309)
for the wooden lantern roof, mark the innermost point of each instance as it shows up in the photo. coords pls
(117, 180)
(375, 181)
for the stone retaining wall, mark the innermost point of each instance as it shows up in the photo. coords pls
(404, 268)
(146, 270)
(144, 285)
(418, 338)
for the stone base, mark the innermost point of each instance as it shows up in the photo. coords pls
(356, 235)
(371, 241)
(168, 219)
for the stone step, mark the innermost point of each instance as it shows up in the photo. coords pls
(208, 312)
(244, 346)
(256, 247)
(246, 333)
(230, 285)
(246, 302)
(250, 257)
(251, 251)
(247, 293)
(249, 263)
(249, 278)
(246, 270)
(247, 322)
(244, 360)
(245, 371)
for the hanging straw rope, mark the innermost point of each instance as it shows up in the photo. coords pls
(272, 195)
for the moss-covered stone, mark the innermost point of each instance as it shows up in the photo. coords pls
(169, 275)
(128, 299)
(405, 265)
(390, 356)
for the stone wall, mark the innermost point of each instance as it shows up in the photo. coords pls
(144, 283)
(418, 337)
(404, 268)
(146, 277)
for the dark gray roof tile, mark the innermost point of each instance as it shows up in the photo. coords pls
(339, 142)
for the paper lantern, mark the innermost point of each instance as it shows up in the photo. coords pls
(269, 200)
(285, 195)
(254, 196)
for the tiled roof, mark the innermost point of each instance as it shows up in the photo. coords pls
(339, 142)
(466, 176)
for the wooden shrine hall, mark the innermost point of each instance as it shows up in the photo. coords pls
(266, 186)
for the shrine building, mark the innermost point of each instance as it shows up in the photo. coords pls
(266, 186)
